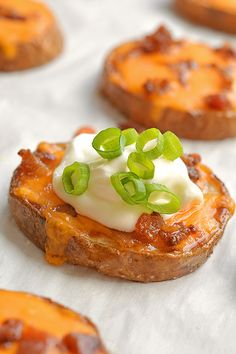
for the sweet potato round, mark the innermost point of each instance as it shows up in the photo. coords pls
(155, 251)
(30, 324)
(174, 85)
(29, 35)
(209, 14)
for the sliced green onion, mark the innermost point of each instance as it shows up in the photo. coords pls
(75, 178)
(130, 188)
(139, 164)
(161, 199)
(172, 146)
(130, 135)
(146, 138)
(109, 143)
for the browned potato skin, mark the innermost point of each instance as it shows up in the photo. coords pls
(29, 35)
(201, 125)
(108, 258)
(206, 16)
(142, 267)
(36, 53)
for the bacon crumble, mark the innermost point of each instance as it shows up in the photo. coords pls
(82, 343)
(11, 330)
(34, 341)
(218, 102)
(160, 41)
(151, 228)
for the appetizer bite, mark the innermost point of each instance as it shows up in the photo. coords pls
(217, 14)
(130, 205)
(177, 85)
(29, 35)
(31, 324)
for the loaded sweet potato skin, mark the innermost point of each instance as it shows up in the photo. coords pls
(157, 250)
(220, 15)
(29, 35)
(32, 324)
(174, 85)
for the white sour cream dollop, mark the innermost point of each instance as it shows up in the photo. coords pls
(101, 202)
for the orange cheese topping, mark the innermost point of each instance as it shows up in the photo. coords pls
(22, 21)
(185, 73)
(31, 324)
(43, 315)
(181, 232)
(41, 320)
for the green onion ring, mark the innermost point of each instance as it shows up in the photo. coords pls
(145, 137)
(172, 146)
(129, 187)
(139, 164)
(130, 135)
(170, 207)
(75, 178)
(109, 143)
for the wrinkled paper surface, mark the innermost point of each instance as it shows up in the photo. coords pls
(192, 315)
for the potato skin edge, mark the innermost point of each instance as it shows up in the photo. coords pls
(209, 17)
(137, 266)
(36, 53)
(194, 125)
(61, 308)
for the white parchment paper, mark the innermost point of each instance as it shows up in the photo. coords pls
(192, 315)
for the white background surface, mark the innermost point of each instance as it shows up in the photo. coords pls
(192, 315)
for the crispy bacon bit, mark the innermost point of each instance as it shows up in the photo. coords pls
(11, 14)
(191, 160)
(32, 164)
(157, 86)
(218, 102)
(159, 41)
(11, 331)
(82, 344)
(227, 51)
(84, 130)
(151, 228)
(173, 234)
(35, 341)
(193, 173)
(182, 69)
(148, 226)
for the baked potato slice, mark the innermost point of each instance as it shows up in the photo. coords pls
(32, 324)
(217, 14)
(157, 250)
(29, 35)
(176, 85)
